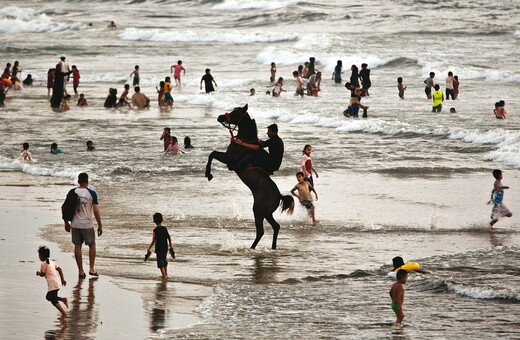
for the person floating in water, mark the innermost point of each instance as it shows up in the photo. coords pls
(397, 295)
(497, 196)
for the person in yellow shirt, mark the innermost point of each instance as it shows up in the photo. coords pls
(168, 99)
(438, 98)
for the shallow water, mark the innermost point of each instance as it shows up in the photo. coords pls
(402, 182)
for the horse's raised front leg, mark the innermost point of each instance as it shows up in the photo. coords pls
(276, 228)
(259, 223)
(220, 156)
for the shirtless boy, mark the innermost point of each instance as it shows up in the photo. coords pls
(304, 195)
(397, 295)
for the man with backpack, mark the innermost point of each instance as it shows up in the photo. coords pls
(80, 206)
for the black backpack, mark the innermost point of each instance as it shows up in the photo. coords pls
(68, 208)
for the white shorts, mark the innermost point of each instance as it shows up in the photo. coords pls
(499, 210)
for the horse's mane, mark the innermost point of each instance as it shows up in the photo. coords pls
(248, 131)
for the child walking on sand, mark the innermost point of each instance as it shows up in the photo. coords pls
(397, 295)
(55, 279)
(304, 195)
(497, 196)
(161, 238)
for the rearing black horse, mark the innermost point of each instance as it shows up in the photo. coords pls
(267, 197)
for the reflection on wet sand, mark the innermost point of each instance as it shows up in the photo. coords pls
(158, 313)
(265, 269)
(83, 315)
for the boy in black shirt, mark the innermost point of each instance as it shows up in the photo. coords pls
(161, 239)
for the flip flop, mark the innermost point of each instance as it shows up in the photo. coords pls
(93, 274)
(82, 276)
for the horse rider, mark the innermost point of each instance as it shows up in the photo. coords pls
(271, 161)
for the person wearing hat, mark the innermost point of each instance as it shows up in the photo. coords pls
(208, 81)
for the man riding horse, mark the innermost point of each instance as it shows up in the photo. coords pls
(256, 156)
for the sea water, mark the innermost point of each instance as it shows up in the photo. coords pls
(404, 181)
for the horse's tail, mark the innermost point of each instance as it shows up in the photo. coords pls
(287, 204)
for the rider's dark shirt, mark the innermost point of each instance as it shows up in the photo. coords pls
(275, 145)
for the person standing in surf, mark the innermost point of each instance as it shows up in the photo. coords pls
(208, 80)
(397, 295)
(497, 196)
(429, 84)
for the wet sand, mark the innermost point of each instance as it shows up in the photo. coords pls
(99, 308)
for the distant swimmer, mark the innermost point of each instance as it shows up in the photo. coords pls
(354, 103)
(456, 85)
(278, 89)
(397, 295)
(497, 196)
(429, 84)
(140, 100)
(401, 87)
(123, 99)
(273, 72)
(25, 155)
(336, 75)
(55, 150)
(75, 79)
(111, 100)
(450, 91)
(112, 24)
(252, 92)
(500, 110)
(364, 76)
(135, 75)
(90, 146)
(299, 84)
(354, 76)
(28, 81)
(82, 101)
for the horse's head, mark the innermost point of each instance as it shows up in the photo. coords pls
(239, 118)
(234, 117)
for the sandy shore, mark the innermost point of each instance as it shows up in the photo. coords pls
(98, 308)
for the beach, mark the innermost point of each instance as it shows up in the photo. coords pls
(404, 181)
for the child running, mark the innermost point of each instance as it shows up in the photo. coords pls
(497, 196)
(55, 279)
(176, 70)
(304, 195)
(397, 295)
(161, 238)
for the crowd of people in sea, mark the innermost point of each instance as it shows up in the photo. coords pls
(308, 80)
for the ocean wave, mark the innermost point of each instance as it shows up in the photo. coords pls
(237, 37)
(36, 169)
(239, 5)
(25, 20)
(484, 293)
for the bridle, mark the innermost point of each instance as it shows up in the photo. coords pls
(232, 127)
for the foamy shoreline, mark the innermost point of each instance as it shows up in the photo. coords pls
(28, 207)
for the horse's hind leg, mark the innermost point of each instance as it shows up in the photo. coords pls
(276, 228)
(259, 223)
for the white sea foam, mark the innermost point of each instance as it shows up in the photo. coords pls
(236, 37)
(325, 61)
(484, 293)
(25, 20)
(34, 168)
(238, 5)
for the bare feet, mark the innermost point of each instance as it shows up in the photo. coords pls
(492, 223)
(315, 222)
